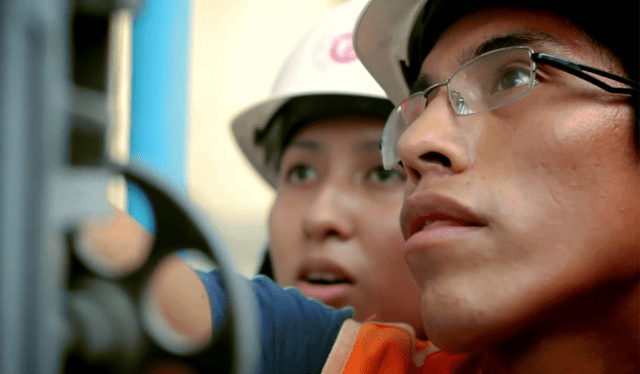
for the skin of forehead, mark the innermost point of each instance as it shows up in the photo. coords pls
(317, 135)
(361, 123)
(572, 41)
(341, 120)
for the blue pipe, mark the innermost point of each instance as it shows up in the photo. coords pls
(159, 96)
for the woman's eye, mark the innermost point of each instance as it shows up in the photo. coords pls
(512, 78)
(381, 175)
(301, 173)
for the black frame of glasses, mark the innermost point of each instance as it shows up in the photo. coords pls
(578, 70)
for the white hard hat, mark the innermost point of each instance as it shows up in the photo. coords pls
(321, 77)
(393, 37)
(381, 39)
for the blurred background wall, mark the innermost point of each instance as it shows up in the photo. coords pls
(236, 50)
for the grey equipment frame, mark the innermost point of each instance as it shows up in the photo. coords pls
(52, 176)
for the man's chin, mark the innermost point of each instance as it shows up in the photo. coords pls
(459, 325)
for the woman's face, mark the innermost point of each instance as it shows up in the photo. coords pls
(334, 225)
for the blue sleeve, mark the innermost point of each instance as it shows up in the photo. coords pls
(296, 333)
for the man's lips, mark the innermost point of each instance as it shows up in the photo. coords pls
(432, 212)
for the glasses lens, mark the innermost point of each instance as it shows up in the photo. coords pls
(492, 80)
(487, 82)
(399, 120)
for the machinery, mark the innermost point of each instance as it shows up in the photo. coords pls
(56, 313)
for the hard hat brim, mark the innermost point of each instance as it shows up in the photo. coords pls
(252, 123)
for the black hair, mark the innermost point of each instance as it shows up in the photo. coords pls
(613, 26)
(266, 267)
(300, 111)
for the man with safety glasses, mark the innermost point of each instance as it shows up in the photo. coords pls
(517, 127)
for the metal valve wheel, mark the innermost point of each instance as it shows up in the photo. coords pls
(108, 314)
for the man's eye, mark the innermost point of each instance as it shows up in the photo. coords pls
(301, 173)
(512, 78)
(380, 175)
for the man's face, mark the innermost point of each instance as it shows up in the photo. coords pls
(512, 212)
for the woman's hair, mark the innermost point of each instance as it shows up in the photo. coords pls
(300, 111)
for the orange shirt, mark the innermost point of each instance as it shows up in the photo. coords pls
(371, 347)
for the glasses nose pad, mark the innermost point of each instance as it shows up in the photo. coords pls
(458, 102)
(388, 141)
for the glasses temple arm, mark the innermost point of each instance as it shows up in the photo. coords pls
(579, 71)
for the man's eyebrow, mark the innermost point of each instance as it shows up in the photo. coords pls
(523, 38)
(423, 82)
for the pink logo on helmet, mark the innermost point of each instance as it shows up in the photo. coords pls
(342, 49)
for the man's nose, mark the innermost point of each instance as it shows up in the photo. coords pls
(435, 143)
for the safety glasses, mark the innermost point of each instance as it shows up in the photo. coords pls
(489, 81)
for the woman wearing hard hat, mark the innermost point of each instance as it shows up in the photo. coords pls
(334, 231)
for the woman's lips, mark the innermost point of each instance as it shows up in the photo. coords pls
(324, 280)
(334, 295)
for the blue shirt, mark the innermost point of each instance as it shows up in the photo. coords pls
(296, 333)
